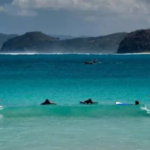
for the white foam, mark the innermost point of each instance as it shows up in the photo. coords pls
(34, 53)
(51, 54)
(18, 53)
(146, 109)
(1, 107)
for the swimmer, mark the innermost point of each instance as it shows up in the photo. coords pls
(89, 101)
(137, 103)
(48, 102)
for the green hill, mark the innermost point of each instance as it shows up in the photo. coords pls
(101, 44)
(42, 43)
(30, 41)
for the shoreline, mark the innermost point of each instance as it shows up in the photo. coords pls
(143, 53)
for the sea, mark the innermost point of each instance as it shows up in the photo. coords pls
(26, 80)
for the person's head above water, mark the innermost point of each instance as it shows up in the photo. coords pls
(136, 102)
(47, 101)
(89, 101)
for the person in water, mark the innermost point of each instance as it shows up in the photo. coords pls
(48, 102)
(89, 101)
(137, 103)
(120, 103)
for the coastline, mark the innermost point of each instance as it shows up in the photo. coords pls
(143, 53)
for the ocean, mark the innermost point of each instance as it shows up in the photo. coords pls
(27, 80)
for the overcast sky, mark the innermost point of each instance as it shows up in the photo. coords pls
(74, 17)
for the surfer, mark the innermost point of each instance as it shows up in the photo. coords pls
(48, 102)
(120, 103)
(137, 103)
(89, 101)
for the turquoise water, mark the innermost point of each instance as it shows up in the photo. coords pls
(27, 80)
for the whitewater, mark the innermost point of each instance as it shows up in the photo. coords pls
(26, 80)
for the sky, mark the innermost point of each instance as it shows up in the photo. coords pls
(74, 17)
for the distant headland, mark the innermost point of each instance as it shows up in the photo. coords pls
(38, 42)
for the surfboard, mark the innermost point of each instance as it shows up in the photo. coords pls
(120, 103)
(88, 104)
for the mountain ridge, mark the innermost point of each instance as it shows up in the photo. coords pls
(41, 43)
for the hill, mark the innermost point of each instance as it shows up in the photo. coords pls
(101, 44)
(42, 43)
(30, 41)
(62, 37)
(135, 42)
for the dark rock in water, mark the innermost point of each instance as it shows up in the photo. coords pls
(135, 42)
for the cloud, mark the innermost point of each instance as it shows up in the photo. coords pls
(121, 7)
(17, 11)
